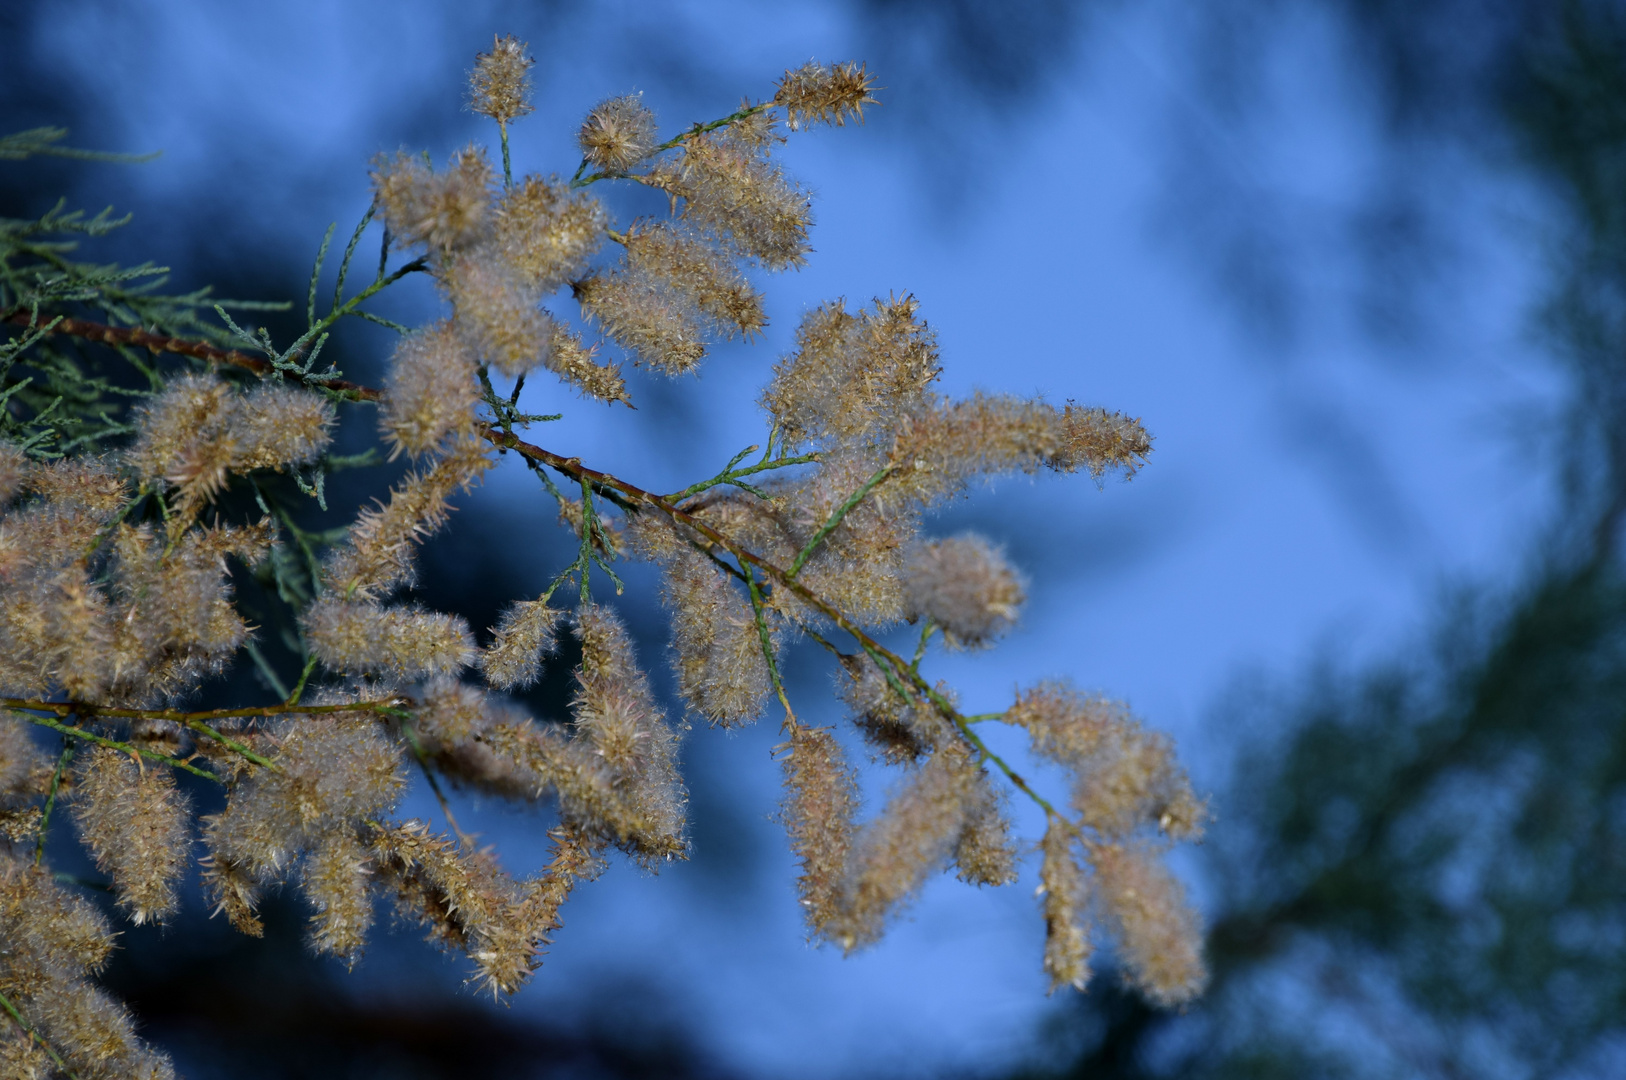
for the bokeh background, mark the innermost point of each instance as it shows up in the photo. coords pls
(1359, 266)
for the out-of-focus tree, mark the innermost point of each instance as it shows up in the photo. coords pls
(1422, 869)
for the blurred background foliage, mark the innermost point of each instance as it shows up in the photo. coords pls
(1420, 863)
(1422, 867)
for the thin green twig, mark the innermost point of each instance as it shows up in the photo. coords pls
(299, 687)
(836, 517)
(424, 763)
(321, 326)
(767, 644)
(507, 168)
(926, 629)
(50, 797)
(316, 274)
(349, 253)
(266, 670)
(50, 1050)
(731, 475)
(701, 129)
(231, 744)
(128, 748)
(579, 180)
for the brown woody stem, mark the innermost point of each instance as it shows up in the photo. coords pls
(198, 350)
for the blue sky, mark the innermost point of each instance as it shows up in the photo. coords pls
(1313, 489)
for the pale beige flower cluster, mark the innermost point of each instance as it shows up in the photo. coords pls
(117, 601)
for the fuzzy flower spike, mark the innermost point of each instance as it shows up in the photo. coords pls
(500, 84)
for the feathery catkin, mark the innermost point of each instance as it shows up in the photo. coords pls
(14, 471)
(574, 362)
(51, 930)
(56, 627)
(943, 444)
(181, 437)
(1061, 883)
(913, 836)
(548, 232)
(360, 637)
(199, 430)
(24, 766)
(1101, 441)
(465, 900)
(821, 799)
(1159, 934)
(137, 826)
(526, 632)
(824, 94)
(543, 758)
(177, 622)
(575, 858)
(985, 853)
(431, 390)
(858, 567)
(235, 891)
(888, 722)
(731, 190)
(22, 1058)
(452, 725)
(54, 939)
(964, 585)
(20, 824)
(716, 646)
(645, 317)
(1125, 778)
(276, 425)
(446, 211)
(1135, 780)
(46, 536)
(617, 134)
(378, 556)
(88, 483)
(698, 273)
(333, 773)
(450, 712)
(77, 632)
(500, 81)
(852, 376)
(94, 1033)
(1065, 725)
(616, 715)
(495, 313)
(337, 877)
